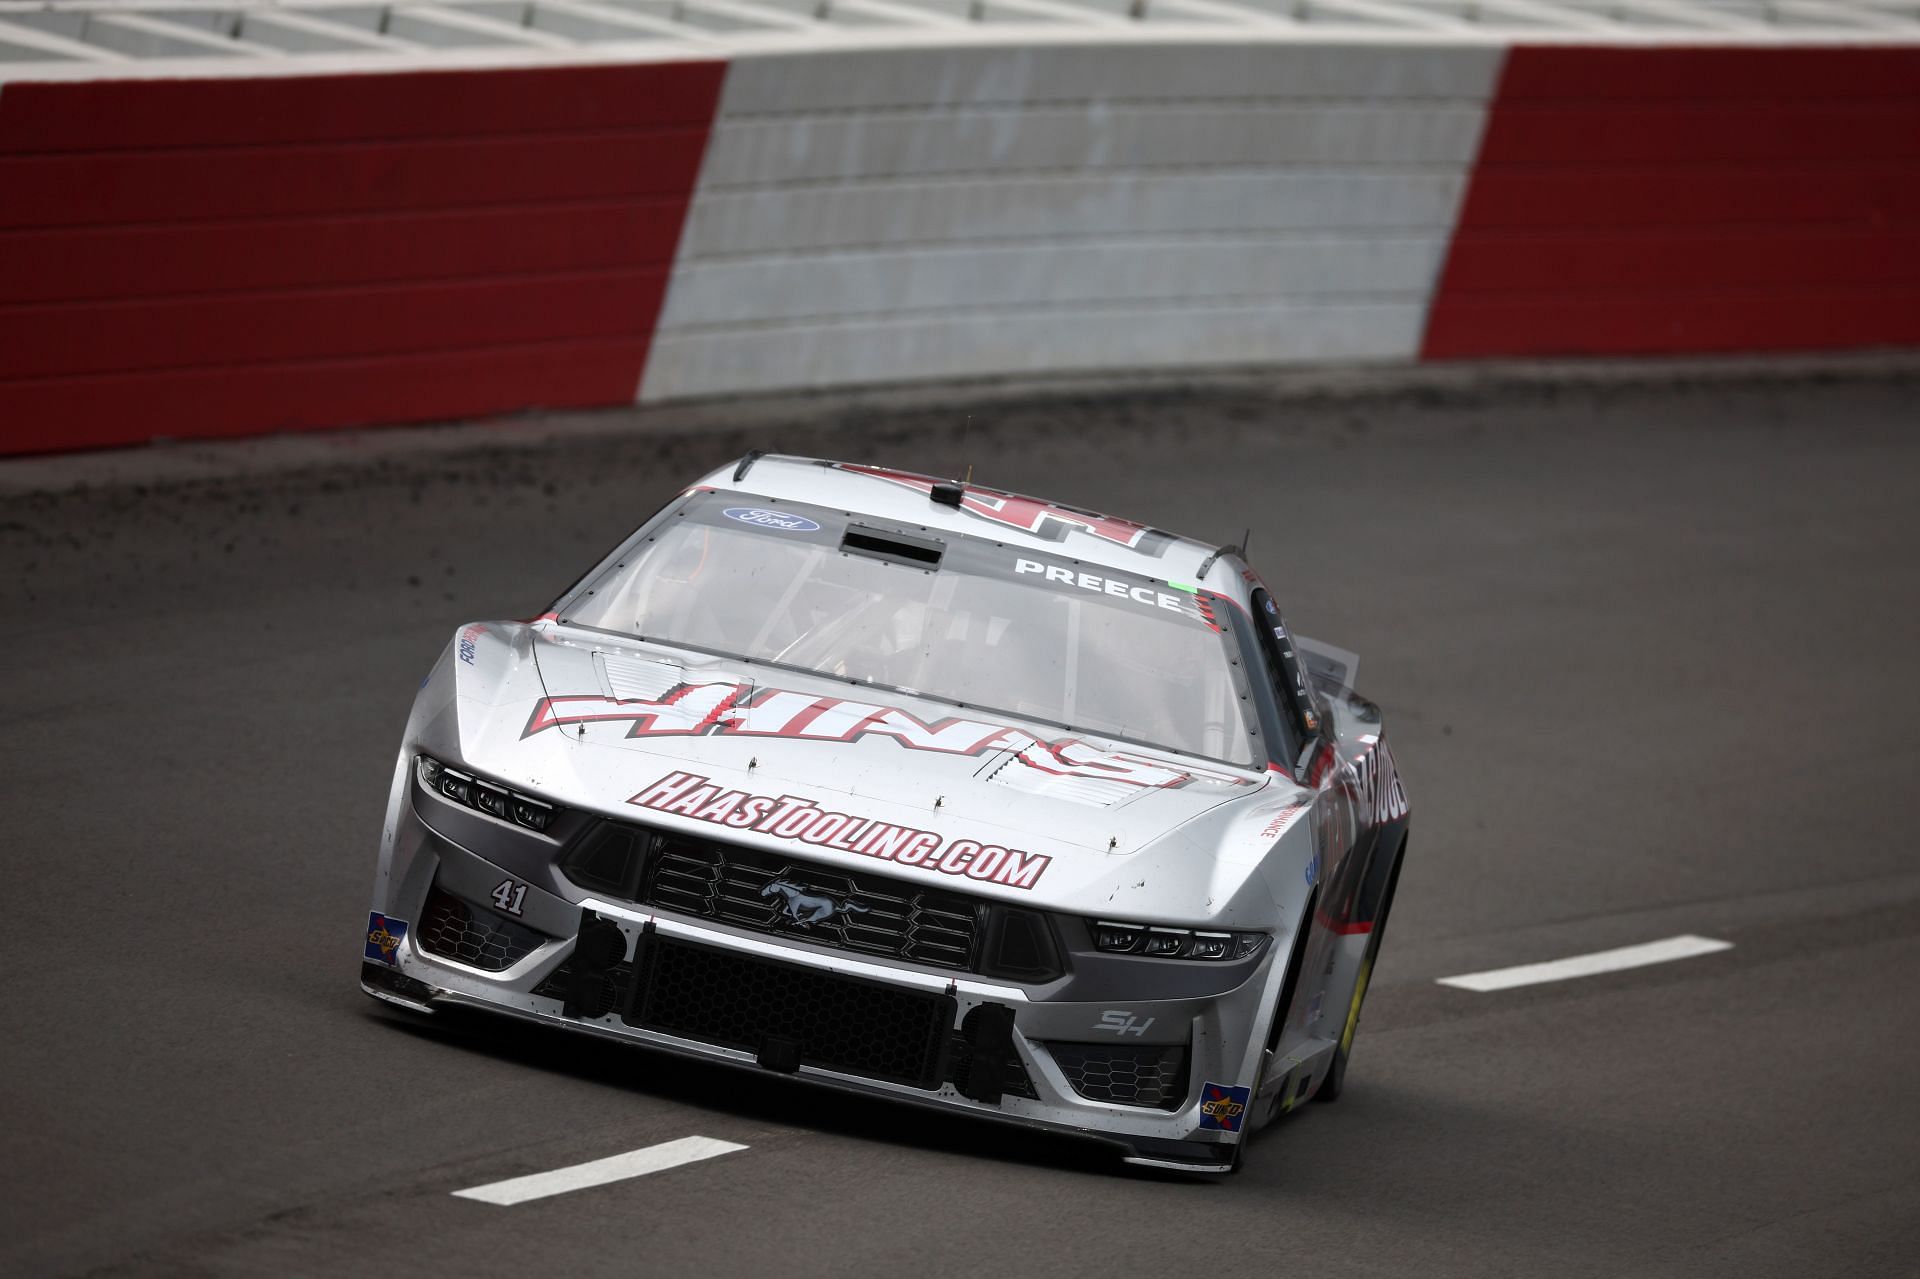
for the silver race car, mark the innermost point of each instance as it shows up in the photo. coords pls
(916, 789)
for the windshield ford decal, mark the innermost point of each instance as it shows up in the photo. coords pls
(771, 519)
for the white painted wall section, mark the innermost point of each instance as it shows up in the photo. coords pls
(874, 216)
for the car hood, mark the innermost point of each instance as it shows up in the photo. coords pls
(659, 736)
(767, 730)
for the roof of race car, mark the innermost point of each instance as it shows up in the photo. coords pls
(906, 497)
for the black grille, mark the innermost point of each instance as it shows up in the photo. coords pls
(840, 1023)
(460, 931)
(863, 913)
(1150, 1075)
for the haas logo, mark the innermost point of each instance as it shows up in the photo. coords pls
(804, 908)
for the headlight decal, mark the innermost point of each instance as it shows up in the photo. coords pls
(488, 797)
(1116, 938)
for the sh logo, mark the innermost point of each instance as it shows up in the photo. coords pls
(1122, 1022)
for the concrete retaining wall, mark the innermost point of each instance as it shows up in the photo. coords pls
(944, 213)
(1666, 201)
(237, 246)
(213, 257)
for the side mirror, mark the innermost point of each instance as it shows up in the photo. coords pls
(1333, 669)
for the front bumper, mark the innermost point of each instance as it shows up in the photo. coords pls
(876, 1027)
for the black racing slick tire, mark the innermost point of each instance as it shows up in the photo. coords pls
(1336, 1080)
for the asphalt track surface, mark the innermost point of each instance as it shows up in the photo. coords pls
(1647, 653)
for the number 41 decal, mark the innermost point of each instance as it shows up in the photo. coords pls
(510, 897)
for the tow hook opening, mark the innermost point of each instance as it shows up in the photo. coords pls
(989, 1034)
(599, 946)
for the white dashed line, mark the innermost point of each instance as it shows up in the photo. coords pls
(1603, 961)
(635, 1163)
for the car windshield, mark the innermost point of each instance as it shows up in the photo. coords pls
(961, 619)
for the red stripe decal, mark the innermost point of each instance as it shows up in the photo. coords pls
(1346, 928)
(1660, 201)
(226, 257)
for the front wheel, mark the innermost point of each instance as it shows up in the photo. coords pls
(1336, 1080)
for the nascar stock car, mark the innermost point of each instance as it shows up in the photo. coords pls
(913, 788)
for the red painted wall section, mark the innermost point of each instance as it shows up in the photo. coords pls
(1656, 201)
(226, 257)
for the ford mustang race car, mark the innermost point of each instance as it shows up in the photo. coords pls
(913, 788)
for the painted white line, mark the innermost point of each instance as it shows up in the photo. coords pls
(1602, 961)
(635, 1163)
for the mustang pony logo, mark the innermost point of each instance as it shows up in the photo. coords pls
(804, 908)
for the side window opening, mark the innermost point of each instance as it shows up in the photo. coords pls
(1285, 669)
